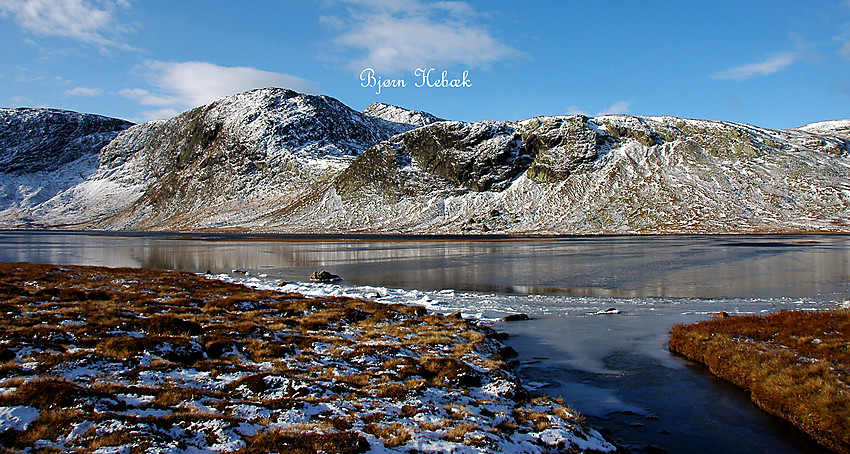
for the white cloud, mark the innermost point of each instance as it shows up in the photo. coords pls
(147, 98)
(183, 85)
(195, 83)
(84, 91)
(574, 110)
(149, 115)
(765, 68)
(76, 19)
(18, 101)
(393, 37)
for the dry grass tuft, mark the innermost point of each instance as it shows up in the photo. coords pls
(795, 364)
(45, 394)
(281, 441)
(459, 431)
(170, 325)
(448, 371)
(392, 436)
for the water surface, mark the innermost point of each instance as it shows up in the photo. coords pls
(615, 368)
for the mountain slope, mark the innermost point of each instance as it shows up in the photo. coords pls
(406, 119)
(610, 174)
(44, 152)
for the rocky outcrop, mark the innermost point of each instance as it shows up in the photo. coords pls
(324, 276)
(476, 156)
(612, 174)
(562, 146)
(409, 119)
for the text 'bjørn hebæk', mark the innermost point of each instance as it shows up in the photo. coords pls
(422, 78)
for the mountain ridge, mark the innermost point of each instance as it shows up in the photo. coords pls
(274, 160)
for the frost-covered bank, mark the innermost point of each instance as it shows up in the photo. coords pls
(105, 360)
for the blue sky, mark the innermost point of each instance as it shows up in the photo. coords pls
(777, 64)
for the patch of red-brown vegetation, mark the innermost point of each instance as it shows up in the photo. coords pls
(795, 364)
(126, 358)
(280, 441)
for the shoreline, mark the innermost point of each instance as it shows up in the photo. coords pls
(250, 236)
(108, 358)
(793, 364)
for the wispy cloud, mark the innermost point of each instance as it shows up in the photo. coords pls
(81, 20)
(146, 98)
(182, 85)
(767, 67)
(396, 36)
(575, 110)
(83, 91)
(195, 83)
(619, 107)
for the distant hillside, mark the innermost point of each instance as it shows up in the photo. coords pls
(44, 152)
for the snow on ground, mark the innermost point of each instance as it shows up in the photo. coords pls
(159, 369)
(17, 417)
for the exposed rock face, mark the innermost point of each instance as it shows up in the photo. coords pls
(562, 145)
(476, 156)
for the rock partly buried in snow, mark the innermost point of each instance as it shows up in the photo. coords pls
(324, 276)
(609, 311)
(17, 417)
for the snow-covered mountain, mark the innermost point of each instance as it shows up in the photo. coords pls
(44, 152)
(277, 161)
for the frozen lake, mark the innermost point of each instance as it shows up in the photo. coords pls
(613, 367)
